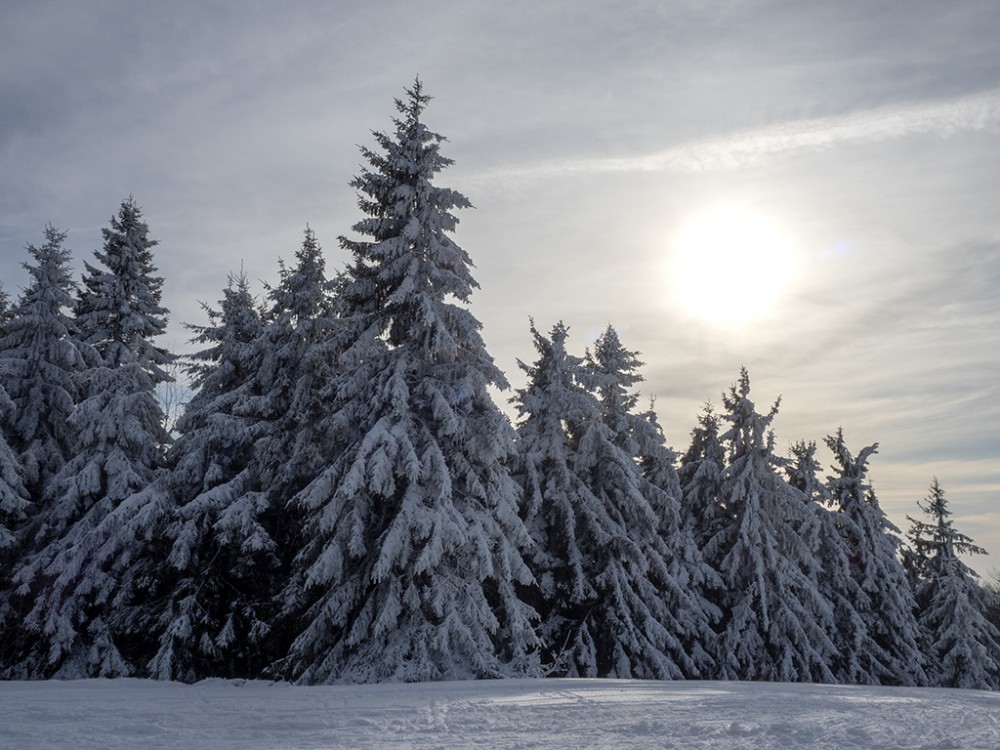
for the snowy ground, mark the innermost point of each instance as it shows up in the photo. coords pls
(551, 714)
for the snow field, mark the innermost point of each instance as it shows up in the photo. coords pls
(552, 714)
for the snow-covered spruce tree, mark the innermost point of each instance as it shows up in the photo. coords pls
(700, 476)
(6, 310)
(410, 568)
(299, 346)
(612, 370)
(890, 653)
(40, 364)
(857, 658)
(261, 387)
(39, 360)
(563, 517)
(14, 503)
(14, 507)
(992, 589)
(963, 646)
(213, 610)
(775, 619)
(79, 577)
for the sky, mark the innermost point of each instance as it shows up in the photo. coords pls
(838, 164)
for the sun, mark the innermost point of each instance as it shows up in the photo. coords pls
(731, 266)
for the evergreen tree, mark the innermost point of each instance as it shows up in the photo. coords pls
(6, 310)
(78, 578)
(14, 503)
(992, 590)
(40, 364)
(262, 387)
(565, 520)
(214, 613)
(410, 567)
(963, 646)
(14, 508)
(700, 476)
(605, 580)
(775, 619)
(298, 349)
(889, 653)
(613, 370)
(849, 633)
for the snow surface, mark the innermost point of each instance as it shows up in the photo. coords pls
(551, 714)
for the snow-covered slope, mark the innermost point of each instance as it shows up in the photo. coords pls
(221, 715)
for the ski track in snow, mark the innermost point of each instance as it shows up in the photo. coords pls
(522, 714)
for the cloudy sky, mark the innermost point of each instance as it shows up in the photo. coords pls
(836, 164)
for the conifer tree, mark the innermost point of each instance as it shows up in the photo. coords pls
(963, 645)
(78, 579)
(298, 349)
(6, 310)
(700, 476)
(410, 568)
(854, 648)
(563, 517)
(606, 588)
(40, 365)
(14, 508)
(14, 503)
(613, 371)
(775, 620)
(890, 653)
(214, 613)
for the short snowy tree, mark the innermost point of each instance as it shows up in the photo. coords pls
(78, 577)
(604, 581)
(849, 633)
(613, 370)
(963, 646)
(40, 365)
(775, 619)
(214, 611)
(410, 568)
(557, 503)
(301, 342)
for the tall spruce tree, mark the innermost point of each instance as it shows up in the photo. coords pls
(414, 553)
(963, 646)
(78, 578)
(40, 365)
(890, 653)
(775, 619)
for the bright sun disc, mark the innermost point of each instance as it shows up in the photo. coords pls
(731, 266)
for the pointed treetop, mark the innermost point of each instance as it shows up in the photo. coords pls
(415, 103)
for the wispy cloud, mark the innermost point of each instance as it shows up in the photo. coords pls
(974, 112)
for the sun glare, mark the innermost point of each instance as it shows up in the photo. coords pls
(731, 266)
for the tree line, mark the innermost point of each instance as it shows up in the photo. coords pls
(341, 499)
